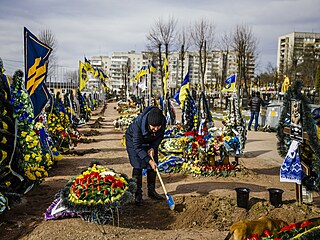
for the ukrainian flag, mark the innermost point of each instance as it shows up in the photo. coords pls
(36, 55)
(103, 76)
(141, 73)
(83, 75)
(181, 94)
(88, 66)
(152, 67)
(230, 84)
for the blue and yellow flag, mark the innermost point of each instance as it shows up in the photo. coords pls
(230, 84)
(83, 76)
(88, 66)
(152, 67)
(181, 94)
(143, 71)
(103, 77)
(36, 55)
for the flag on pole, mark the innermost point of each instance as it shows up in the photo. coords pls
(166, 76)
(143, 83)
(83, 76)
(36, 55)
(181, 94)
(152, 67)
(230, 84)
(88, 66)
(143, 71)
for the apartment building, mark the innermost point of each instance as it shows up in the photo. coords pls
(294, 48)
(125, 65)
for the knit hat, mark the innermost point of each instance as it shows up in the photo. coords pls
(155, 117)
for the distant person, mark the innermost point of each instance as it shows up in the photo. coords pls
(143, 138)
(255, 104)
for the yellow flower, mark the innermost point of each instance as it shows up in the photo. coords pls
(23, 134)
(226, 138)
(27, 157)
(38, 174)
(29, 138)
(38, 158)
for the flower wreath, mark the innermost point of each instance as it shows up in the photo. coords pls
(283, 144)
(95, 195)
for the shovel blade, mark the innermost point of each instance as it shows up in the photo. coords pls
(170, 202)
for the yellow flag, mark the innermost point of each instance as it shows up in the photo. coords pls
(166, 76)
(285, 84)
(83, 76)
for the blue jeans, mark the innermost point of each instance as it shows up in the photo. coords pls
(255, 116)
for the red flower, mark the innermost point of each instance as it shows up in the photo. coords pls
(110, 178)
(267, 233)
(117, 184)
(254, 237)
(289, 227)
(305, 224)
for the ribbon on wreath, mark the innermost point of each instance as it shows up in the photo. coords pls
(291, 169)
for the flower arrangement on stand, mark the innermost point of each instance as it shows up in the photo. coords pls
(234, 128)
(97, 195)
(34, 161)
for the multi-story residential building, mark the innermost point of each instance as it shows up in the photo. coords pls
(122, 66)
(294, 48)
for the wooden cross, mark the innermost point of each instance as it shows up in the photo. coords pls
(305, 168)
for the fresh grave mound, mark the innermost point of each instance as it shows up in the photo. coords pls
(209, 212)
(219, 213)
(96, 195)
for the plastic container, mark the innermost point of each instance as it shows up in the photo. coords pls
(275, 196)
(243, 197)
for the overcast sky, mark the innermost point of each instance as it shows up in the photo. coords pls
(100, 27)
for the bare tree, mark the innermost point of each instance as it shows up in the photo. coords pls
(203, 34)
(225, 46)
(48, 38)
(269, 76)
(162, 33)
(183, 42)
(245, 44)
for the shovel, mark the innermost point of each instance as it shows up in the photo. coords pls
(168, 197)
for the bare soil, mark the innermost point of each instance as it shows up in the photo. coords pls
(205, 207)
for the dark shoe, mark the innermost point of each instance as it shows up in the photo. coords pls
(154, 195)
(137, 175)
(151, 181)
(138, 200)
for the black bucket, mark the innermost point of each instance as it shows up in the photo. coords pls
(275, 196)
(242, 197)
